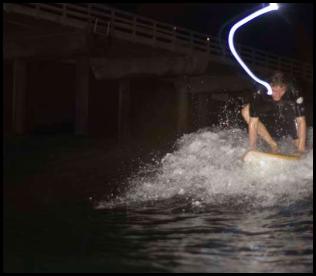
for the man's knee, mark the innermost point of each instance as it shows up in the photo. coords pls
(245, 113)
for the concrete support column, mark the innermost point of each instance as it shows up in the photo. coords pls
(124, 111)
(82, 96)
(202, 110)
(19, 96)
(183, 109)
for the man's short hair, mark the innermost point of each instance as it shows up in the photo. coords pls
(279, 79)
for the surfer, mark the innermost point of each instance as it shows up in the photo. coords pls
(276, 116)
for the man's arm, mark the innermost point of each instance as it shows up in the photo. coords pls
(301, 132)
(252, 132)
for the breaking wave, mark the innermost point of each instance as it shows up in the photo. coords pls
(206, 170)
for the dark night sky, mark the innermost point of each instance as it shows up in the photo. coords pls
(286, 32)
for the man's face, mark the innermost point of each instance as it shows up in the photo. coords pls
(278, 91)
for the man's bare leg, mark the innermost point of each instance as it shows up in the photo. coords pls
(262, 131)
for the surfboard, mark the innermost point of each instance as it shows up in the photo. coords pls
(255, 155)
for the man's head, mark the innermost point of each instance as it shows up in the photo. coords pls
(279, 84)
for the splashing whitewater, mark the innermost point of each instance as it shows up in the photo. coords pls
(206, 169)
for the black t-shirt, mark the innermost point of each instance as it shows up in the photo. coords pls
(278, 116)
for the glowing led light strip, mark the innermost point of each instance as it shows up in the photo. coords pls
(271, 7)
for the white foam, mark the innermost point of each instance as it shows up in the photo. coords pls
(207, 169)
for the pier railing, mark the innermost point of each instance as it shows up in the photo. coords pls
(108, 21)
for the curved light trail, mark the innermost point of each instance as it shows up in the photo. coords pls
(271, 7)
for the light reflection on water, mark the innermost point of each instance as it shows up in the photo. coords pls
(218, 239)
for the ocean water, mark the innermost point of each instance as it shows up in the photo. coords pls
(199, 208)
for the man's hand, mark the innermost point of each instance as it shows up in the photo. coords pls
(301, 149)
(274, 147)
(300, 154)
